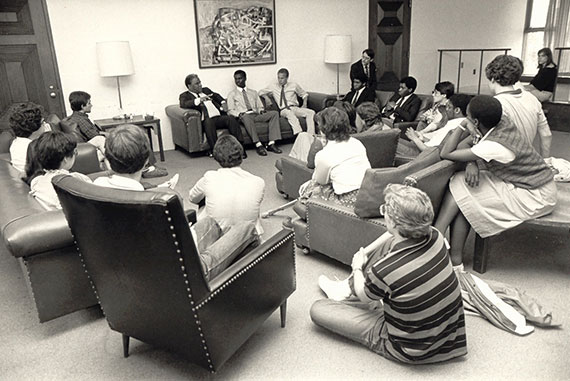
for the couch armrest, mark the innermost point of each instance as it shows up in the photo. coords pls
(37, 233)
(86, 161)
(317, 101)
(433, 180)
(186, 127)
(295, 173)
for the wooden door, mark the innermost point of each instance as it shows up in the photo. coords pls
(28, 67)
(389, 35)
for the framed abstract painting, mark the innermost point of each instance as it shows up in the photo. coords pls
(235, 32)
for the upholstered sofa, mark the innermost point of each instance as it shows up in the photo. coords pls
(188, 134)
(338, 231)
(41, 241)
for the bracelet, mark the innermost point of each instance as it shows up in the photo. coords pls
(462, 128)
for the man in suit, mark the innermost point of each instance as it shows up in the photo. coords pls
(245, 104)
(360, 93)
(365, 67)
(404, 105)
(212, 107)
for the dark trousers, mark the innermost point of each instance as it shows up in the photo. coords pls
(218, 123)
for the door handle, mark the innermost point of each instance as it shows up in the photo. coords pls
(52, 94)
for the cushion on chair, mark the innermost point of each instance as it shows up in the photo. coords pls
(371, 193)
(380, 146)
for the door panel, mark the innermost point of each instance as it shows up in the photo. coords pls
(389, 36)
(28, 66)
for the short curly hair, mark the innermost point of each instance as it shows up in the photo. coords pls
(127, 149)
(228, 151)
(506, 70)
(486, 109)
(333, 122)
(410, 209)
(370, 113)
(27, 120)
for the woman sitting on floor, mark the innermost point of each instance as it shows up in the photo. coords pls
(402, 300)
(517, 185)
(542, 85)
(341, 164)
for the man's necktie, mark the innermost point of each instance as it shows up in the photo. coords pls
(355, 97)
(247, 104)
(366, 71)
(283, 99)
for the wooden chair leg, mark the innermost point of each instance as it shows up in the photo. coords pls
(126, 345)
(481, 255)
(283, 310)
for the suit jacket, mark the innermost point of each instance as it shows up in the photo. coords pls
(187, 100)
(367, 95)
(408, 111)
(357, 68)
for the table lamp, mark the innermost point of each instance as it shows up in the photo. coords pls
(115, 60)
(338, 50)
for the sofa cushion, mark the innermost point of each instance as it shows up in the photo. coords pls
(380, 146)
(371, 193)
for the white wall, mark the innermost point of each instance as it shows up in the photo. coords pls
(454, 24)
(163, 42)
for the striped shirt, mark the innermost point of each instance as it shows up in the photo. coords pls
(423, 308)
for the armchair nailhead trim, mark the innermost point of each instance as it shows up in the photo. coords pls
(88, 276)
(188, 289)
(243, 271)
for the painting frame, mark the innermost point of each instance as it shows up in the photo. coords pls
(235, 33)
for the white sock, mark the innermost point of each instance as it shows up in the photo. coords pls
(271, 143)
(459, 268)
(258, 144)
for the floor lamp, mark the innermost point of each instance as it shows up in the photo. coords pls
(115, 60)
(338, 50)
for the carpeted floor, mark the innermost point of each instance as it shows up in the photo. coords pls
(81, 346)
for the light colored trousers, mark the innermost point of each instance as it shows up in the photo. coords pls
(292, 114)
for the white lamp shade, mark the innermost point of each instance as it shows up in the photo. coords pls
(114, 59)
(338, 49)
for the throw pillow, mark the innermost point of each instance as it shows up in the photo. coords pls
(371, 193)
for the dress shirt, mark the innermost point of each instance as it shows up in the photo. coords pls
(292, 90)
(356, 96)
(236, 102)
(119, 182)
(233, 195)
(212, 109)
(43, 191)
(436, 137)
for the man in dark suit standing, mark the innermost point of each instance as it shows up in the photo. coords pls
(360, 92)
(404, 105)
(365, 67)
(212, 106)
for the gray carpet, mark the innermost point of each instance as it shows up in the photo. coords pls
(81, 346)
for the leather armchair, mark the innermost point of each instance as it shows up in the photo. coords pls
(187, 131)
(138, 252)
(291, 172)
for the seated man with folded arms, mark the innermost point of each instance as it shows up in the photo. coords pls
(27, 124)
(55, 153)
(404, 105)
(245, 104)
(285, 94)
(456, 110)
(89, 132)
(402, 300)
(127, 149)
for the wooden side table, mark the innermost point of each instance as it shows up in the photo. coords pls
(137, 120)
